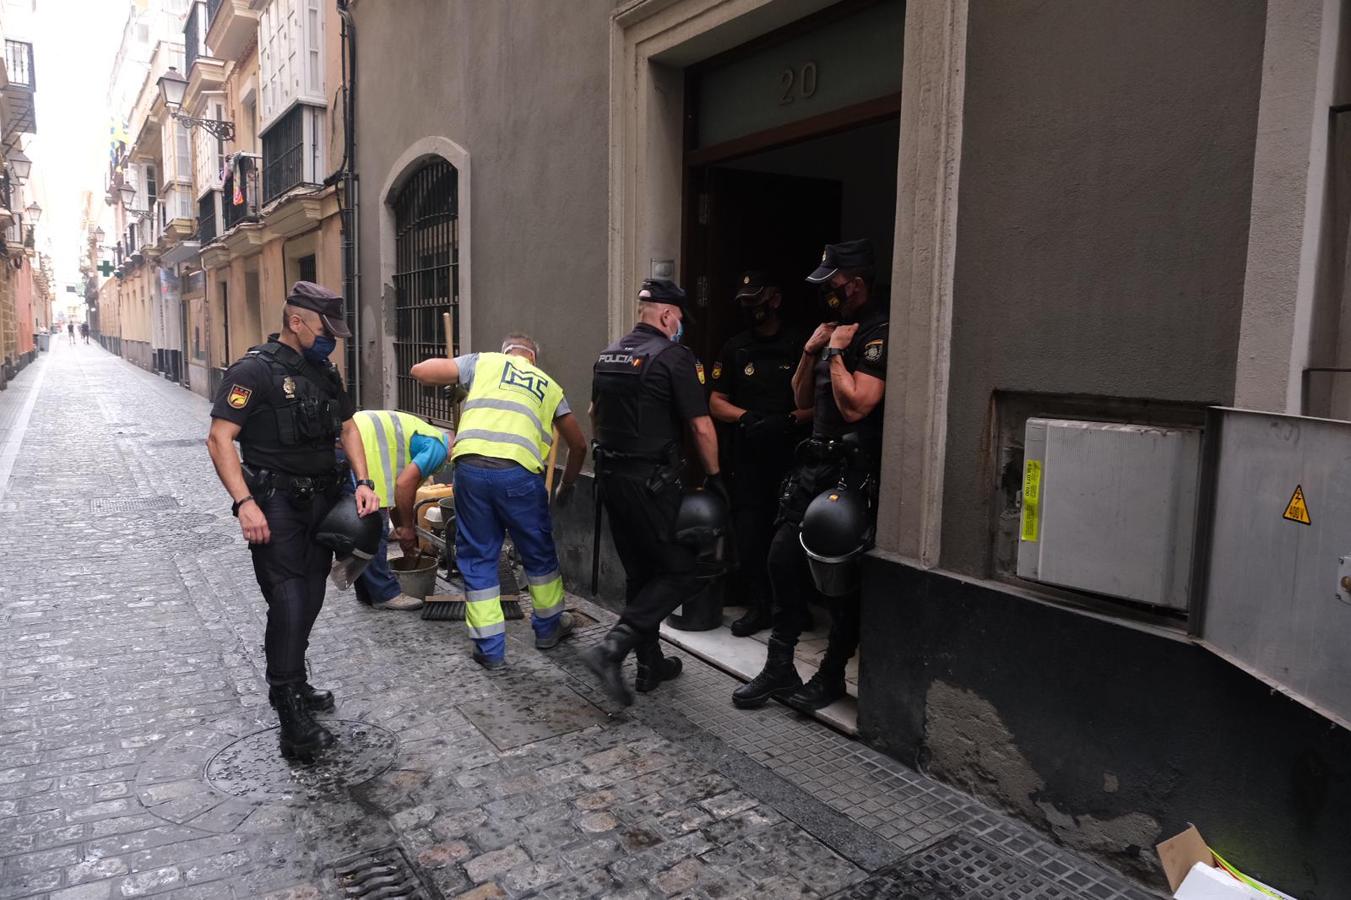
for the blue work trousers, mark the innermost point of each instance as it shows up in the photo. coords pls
(489, 504)
(376, 583)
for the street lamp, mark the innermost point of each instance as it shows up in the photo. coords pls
(99, 235)
(33, 212)
(20, 165)
(128, 193)
(172, 86)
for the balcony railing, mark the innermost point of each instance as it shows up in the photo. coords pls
(206, 218)
(19, 64)
(247, 210)
(284, 148)
(212, 7)
(194, 36)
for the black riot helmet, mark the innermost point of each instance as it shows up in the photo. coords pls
(702, 519)
(354, 539)
(836, 529)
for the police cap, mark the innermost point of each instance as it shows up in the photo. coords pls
(848, 256)
(751, 288)
(308, 295)
(662, 290)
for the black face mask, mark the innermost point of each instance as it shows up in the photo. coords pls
(832, 302)
(754, 316)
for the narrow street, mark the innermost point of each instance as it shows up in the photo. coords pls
(138, 755)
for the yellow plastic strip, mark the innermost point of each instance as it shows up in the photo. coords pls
(1031, 500)
(1255, 885)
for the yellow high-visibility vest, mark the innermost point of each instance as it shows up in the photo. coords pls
(509, 412)
(387, 435)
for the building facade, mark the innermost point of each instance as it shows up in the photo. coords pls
(1120, 214)
(22, 317)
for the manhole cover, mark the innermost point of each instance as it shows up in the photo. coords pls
(384, 873)
(530, 714)
(132, 504)
(251, 766)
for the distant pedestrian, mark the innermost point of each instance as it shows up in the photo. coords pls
(84, 331)
(499, 455)
(285, 403)
(70, 332)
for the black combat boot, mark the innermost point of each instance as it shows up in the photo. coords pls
(756, 619)
(302, 738)
(606, 659)
(821, 690)
(653, 667)
(778, 678)
(315, 699)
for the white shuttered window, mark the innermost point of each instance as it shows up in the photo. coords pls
(290, 56)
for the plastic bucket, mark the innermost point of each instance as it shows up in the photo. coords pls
(416, 574)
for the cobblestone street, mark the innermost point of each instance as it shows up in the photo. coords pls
(137, 750)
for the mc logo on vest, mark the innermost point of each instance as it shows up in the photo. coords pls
(514, 377)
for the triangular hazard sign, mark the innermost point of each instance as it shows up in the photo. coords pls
(1297, 510)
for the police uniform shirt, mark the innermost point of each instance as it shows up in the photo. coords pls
(251, 390)
(866, 353)
(756, 372)
(671, 381)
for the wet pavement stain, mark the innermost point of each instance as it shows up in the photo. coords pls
(251, 767)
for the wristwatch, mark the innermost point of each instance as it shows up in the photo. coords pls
(366, 482)
(834, 351)
(234, 507)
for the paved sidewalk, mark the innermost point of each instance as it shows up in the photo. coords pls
(137, 755)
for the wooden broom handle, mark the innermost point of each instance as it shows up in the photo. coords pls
(549, 467)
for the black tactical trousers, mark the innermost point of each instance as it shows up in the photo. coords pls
(659, 572)
(292, 571)
(791, 579)
(755, 488)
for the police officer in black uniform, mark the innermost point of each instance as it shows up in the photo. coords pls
(285, 404)
(753, 390)
(645, 393)
(842, 373)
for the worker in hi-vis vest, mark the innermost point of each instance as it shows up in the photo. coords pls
(499, 454)
(401, 452)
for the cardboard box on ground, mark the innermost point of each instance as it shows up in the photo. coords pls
(1195, 872)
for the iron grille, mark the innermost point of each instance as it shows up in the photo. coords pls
(284, 154)
(212, 7)
(19, 64)
(206, 218)
(5, 193)
(194, 32)
(426, 281)
(232, 213)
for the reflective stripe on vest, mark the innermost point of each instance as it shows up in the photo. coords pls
(509, 412)
(386, 436)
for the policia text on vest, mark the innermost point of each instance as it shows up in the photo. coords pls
(507, 428)
(285, 404)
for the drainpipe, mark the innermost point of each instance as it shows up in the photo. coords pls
(349, 221)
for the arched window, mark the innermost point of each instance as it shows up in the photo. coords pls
(426, 280)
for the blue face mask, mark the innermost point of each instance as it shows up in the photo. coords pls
(318, 351)
(680, 331)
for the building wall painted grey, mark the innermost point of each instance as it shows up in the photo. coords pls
(526, 95)
(1103, 216)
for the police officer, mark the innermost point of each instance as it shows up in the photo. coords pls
(500, 452)
(841, 373)
(644, 394)
(285, 404)
(753, 390)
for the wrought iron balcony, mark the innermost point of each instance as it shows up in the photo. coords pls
(284, 151)
(206, 218)
(20, 114)
(19, 64)
(247, 210)
(212, 7)
(194, 36)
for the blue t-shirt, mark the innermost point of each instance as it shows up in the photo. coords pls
(429, 453)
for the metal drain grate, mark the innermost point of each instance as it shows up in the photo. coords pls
(958, 867)
(178, 442)
(385, 874)
(132, 504)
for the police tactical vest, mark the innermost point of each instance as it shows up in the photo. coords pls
(387, 437)
(509, 412)
(304, 401)
(631, 420)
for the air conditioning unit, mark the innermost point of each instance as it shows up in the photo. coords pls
(1110, 509)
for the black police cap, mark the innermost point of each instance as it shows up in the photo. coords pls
(751, 287)
(847, 257)
(662, 290)
(308, 295)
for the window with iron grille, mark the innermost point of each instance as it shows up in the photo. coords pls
(426, 281)
(206, 218)
(290, 149)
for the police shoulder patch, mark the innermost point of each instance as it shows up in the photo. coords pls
(872, 351)
(699, 370)
(717, 371)
(239, 396)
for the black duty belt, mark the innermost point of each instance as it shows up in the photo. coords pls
(265, 482)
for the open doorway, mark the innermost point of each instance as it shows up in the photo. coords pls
(770, 200)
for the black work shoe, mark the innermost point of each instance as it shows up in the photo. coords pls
(301, 737)
(492, 665)
(315, 699)
(562, 629)
(653, 667)
(778, 678)
(756, 619)
(821, 690)
(606, 660)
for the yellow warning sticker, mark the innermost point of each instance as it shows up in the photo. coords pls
(1297, 510)
(1031, 500)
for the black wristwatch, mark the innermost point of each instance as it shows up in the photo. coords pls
(366, 482)
(834, 351)
(234, 507)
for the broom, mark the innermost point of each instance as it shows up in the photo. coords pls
(446, 607)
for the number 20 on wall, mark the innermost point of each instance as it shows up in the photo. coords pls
(797, 83)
